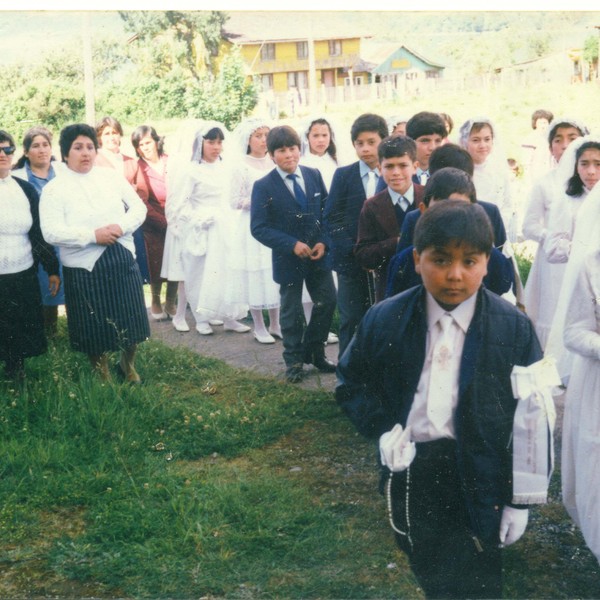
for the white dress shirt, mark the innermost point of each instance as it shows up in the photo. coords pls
(74, 205)
(428, 399)
(409, 196)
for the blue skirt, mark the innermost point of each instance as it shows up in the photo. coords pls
(105, 307)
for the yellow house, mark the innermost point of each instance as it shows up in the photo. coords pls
(283, 49)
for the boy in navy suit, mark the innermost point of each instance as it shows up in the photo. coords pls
(428, 374)
(382, 215)
(452, 155)
(350, 187)
(286, 214)
(456, 185)
(429, 132)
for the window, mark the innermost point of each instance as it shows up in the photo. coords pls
(301, 50)
(335, 47)
(267, 81)
(298, 79)
(267, 52)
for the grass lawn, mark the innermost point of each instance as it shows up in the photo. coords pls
(211, 482)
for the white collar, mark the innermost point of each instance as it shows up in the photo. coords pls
(462, 314)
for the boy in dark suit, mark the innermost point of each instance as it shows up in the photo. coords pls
(350, 187)
(456, 185)
(286, 215)
(382, 215)
(452, 155)
(428, 373)
(429, 132)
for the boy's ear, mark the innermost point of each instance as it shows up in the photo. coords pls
(416, 259)
(422, 207)
(415, 165)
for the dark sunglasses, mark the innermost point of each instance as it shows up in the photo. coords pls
(8, 150)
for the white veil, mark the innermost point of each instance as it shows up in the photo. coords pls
(586, 239)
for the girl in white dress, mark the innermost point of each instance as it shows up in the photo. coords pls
(565, 242)
(198, 215)
(492, 174)
(545, 278)
(251, 280)
(319, 152)
(580, 459)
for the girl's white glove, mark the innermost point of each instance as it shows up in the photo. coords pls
(396, 449)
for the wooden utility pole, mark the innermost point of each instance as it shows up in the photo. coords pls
(88, 72)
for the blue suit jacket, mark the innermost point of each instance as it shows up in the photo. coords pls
(277, 221)
(379, 372)
(401, 274)
(342, 210)
(492, 211)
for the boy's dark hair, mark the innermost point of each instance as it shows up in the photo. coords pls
(555, 126)
(141, 132)
(282, 136)
(394, 147)
(454, 222)
(6, 137)
(448, 181)
(426, 123)
(451, 155)
(540, 114)
(71, 132)
(369, 122)
(575, 184)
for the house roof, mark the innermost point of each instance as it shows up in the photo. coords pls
(376, 53)
(255, 27)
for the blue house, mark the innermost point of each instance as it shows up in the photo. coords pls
(390, 63)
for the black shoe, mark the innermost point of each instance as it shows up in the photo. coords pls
(294, 374)
(318, 359)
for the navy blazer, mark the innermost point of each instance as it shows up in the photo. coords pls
(492, 211)
(342, 210)
(379, 373)
(277, 221)
(401, 273)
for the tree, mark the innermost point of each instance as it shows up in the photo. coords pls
(196, 33)
(590, 53)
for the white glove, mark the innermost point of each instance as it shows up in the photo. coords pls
(512, 525)
(396, 449)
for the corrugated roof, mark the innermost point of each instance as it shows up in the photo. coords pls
(274, 26)
(376, 52)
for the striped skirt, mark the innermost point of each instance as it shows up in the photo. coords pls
(105, 307)
(21, 320)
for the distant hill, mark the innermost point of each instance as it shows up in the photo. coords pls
(443, 36)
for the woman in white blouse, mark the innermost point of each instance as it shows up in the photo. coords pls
(90, 213)
(21, 247)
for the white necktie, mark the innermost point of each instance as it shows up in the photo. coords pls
(424, 177)
(371, 183)
(403, 203)
(439, 401)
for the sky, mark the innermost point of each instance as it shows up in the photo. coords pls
(470, 5)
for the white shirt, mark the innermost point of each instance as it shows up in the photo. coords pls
(74, 205)
(325, 164)
(290, 182)
(15, 223)
(364, 174)
(409, 196)
(422, 428)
